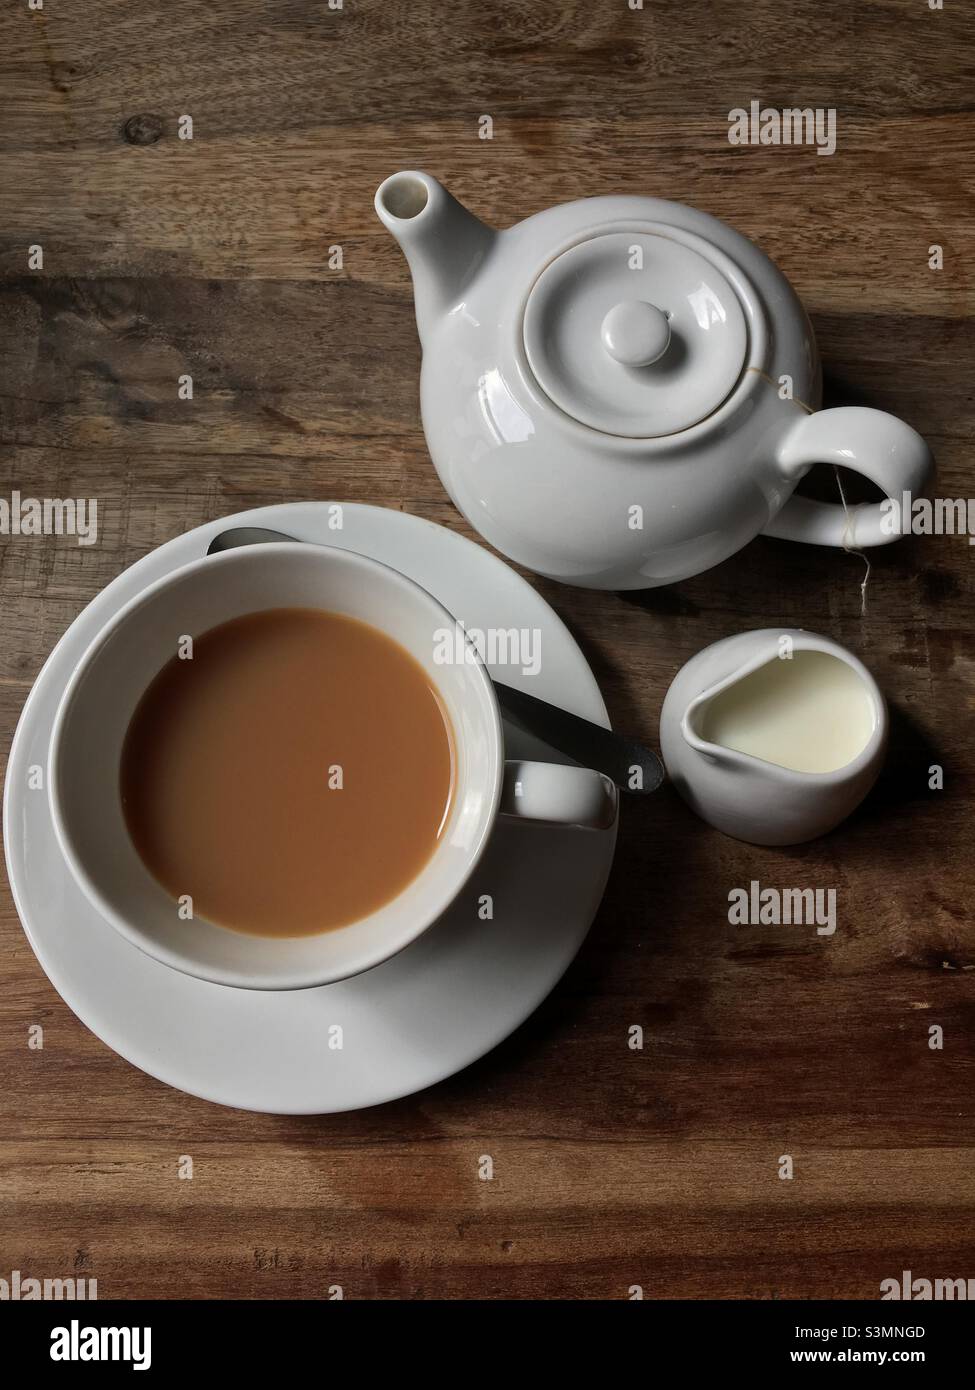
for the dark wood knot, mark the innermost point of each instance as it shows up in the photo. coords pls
(144, 129)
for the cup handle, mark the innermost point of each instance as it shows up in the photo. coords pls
(558, 795)
(881, 447)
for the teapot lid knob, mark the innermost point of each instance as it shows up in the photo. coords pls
(636, 333)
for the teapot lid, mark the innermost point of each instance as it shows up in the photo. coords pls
(636, 334)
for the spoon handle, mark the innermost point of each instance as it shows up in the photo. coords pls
(633, 767)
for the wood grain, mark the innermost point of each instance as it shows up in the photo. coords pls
(164, 256)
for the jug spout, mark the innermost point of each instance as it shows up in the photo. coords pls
(444, 244)
(697, 736)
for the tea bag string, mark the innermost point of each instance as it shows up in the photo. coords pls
(849, 528)
(848, 531)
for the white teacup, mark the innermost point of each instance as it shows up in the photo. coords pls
(99, 702)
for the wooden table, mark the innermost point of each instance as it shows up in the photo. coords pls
(164, 256)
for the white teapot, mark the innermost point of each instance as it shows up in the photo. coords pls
(621, 392)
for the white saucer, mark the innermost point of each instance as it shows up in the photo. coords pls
(436, 1007)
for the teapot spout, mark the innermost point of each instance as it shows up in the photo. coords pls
(444, 244)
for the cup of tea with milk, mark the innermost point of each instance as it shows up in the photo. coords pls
(262, 775)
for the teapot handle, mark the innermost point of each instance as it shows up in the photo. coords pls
(881, 447)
